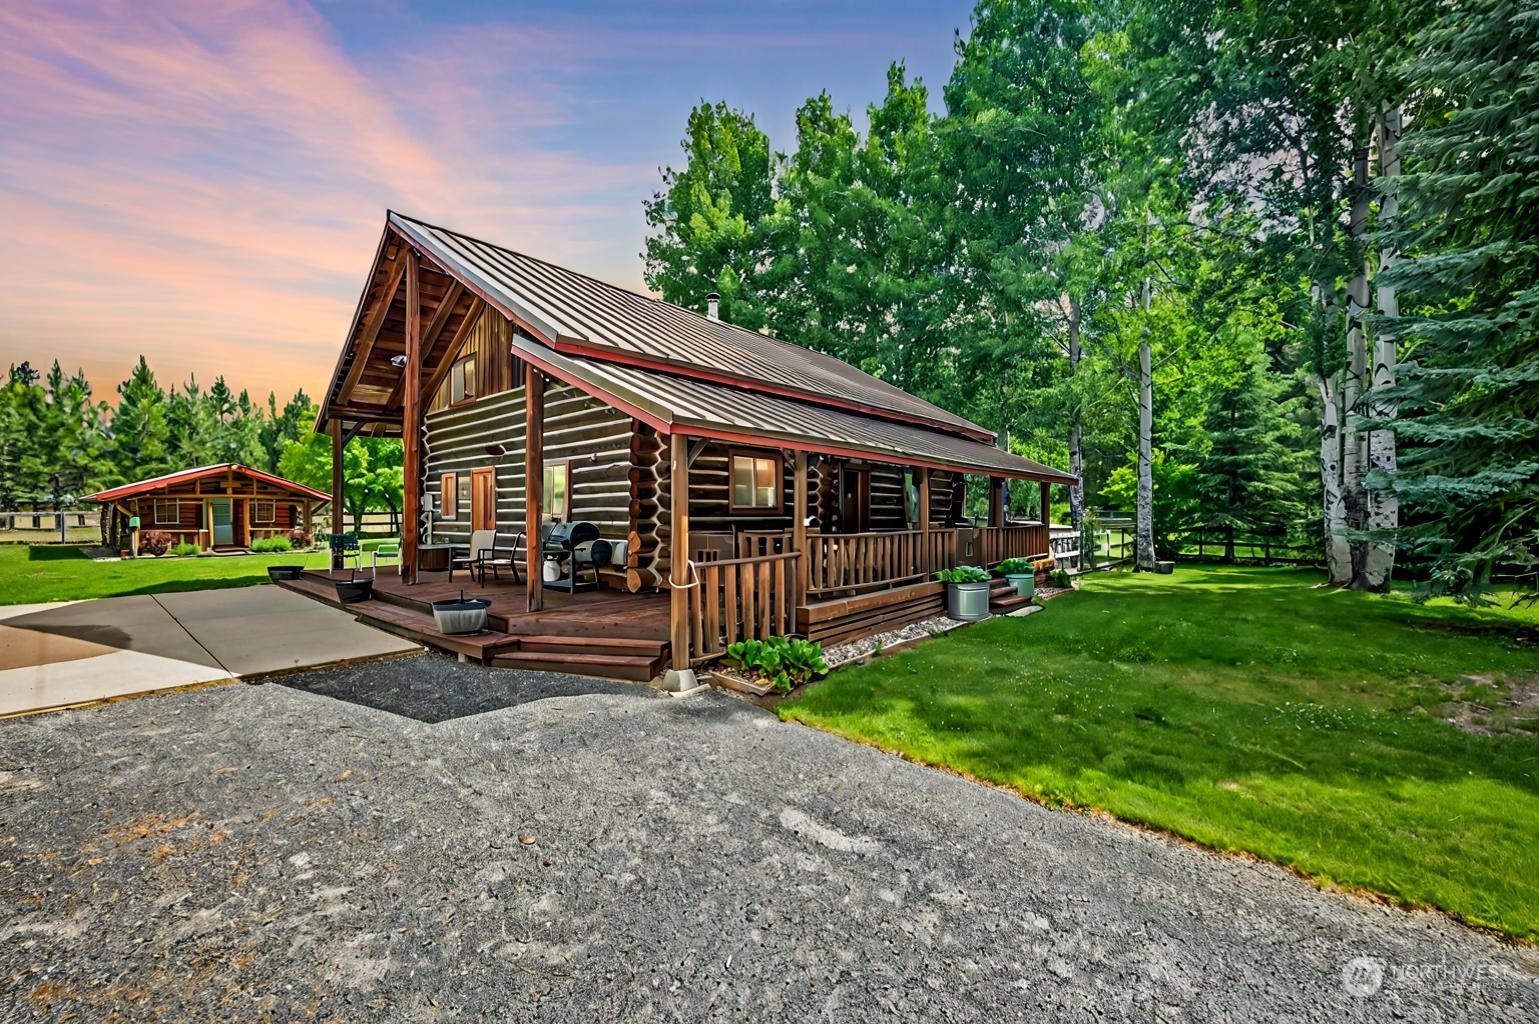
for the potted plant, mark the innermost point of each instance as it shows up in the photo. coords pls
(967, 592)
(1021, 574)
(462, 615)
(778, 664)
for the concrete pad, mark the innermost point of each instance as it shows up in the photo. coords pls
(263, 629)
(114, 674)
(73, 653)
(135, 623)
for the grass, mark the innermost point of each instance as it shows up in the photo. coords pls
(38, 573)
(1249, 710)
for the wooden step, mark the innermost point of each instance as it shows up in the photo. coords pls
(1008, 602)
(635, 647)
(635, 668)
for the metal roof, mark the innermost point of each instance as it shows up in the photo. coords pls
(579, 315)
(708, 409)
(197, 473)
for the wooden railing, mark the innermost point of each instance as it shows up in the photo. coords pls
(994, 544)
(856, 561)
(739, 598)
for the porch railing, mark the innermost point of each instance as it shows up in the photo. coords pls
(994, 544)
(855, 561)
(740, 598)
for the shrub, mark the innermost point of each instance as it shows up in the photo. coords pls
(1060, 578)
(186, 547)
(963, 574)
(300, 540)
(155, 542)
(1015, 567)
(271, 544)
(786, 662)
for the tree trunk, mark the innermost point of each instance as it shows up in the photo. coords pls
(1353, 454)
(1143, 546)
(1338, 555)
(1383, 505)
(1076, 433)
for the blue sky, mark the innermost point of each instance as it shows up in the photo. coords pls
(204, 181)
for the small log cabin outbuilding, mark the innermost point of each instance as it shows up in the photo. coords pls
(765, 488)
(223, 506)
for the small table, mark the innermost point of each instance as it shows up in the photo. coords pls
(435, 557)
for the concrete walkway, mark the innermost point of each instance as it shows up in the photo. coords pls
(56, 655)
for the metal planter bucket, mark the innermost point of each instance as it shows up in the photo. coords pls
(967, 602)
(461, 616)
(1025, 583)
(284, 572)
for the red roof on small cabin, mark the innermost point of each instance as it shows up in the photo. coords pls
(188, 475)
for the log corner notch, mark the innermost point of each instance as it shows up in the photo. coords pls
(680, 677)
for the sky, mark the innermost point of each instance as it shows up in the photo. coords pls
(205, 181)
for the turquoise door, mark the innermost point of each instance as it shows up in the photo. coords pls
(224, 524)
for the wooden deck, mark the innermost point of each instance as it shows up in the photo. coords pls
(607, 633)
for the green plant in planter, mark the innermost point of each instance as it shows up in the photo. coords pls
(963, 574)
(784, 662)
(1015, 567)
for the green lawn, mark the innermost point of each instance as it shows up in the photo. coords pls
(1248, 710)
(59, 573)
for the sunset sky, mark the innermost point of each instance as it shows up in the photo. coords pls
(204, 181)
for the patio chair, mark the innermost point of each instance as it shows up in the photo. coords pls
(480, 541)
(497, 558)
(344, 546)
(387, 549)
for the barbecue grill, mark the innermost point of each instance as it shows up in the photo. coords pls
(575, 545)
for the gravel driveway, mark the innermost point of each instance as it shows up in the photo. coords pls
(264, 852)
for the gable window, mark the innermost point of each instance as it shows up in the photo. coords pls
(462, 380)
(168, 512)
(558, 489)
(755, 483)
(263, 511)
(448, 497)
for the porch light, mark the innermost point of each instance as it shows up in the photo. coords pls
(398, 361)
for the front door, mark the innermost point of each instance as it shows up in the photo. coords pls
(855, 510)
(483, 498)
(224, 521)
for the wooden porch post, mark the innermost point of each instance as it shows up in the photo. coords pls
(1046, 490)
(678, 549)
(411, 426)
(799, 525)
(338, 446)
(996, 501)
(534, 483)
(922, 482)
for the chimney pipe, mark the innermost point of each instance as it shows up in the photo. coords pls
(713, 306)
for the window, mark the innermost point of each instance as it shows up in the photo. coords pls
(462, 380)
(449, 497)
(168, 512)
(263, 511)
(755, 483)
(558, 485)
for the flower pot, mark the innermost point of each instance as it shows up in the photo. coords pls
(967, 602)
(741, 685)
(459, 616)
(284, 572)
(1025, 583)
(353, 591)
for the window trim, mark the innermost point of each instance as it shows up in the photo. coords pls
(470, 394)
(546, 515)
(780, 483)
(449, 497)
(272, 511)
(176, 513)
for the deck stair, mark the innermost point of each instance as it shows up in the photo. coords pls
(612, 657)
(1003, 598)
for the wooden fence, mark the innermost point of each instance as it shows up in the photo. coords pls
(734, 599)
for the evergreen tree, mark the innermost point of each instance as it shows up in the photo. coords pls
(140, 434)
(1469, 401)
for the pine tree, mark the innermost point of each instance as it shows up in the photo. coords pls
(139, 430)
(1468, 424)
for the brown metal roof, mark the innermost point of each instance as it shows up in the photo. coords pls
(709, 409)
(185, 475)
(579, 315)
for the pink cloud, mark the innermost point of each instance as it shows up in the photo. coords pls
(205, 182)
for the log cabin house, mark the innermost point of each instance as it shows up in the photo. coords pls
(747, 486)
(226, 506)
